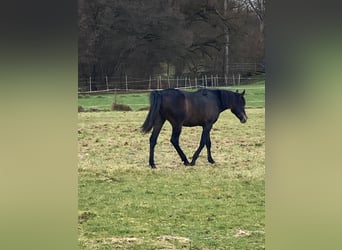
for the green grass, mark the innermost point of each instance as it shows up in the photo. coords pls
(124, 204)
(255, 97)
(206, 206)
(104, 101)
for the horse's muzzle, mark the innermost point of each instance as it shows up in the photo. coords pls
(244, 119)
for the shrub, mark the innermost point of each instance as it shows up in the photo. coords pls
(144, 108)
(80, 108)
(120, 107)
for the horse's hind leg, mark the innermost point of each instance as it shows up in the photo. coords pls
(176, 131)
(208, 144)
(153, 140)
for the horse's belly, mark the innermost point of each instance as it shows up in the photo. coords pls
(191, 124)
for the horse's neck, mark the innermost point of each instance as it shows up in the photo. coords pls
(227, 98)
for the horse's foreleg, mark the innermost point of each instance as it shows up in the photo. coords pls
(153, 142)
(203, 142)
(208, 144)
(176, 131)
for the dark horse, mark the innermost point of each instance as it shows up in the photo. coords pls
(180, 108)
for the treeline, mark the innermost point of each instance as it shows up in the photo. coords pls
(169, 37)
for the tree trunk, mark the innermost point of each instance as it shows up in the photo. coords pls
(226, 44)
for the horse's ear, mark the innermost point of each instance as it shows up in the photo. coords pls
(243, 92)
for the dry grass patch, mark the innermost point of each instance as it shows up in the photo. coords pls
(113, 140)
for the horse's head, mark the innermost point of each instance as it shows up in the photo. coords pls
(238, 106)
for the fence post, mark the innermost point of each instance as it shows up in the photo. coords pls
(177, 82)
(107, 83)
(234, 79)
(196, 82)
(225, 80)
(126, 83)
(206, 81)
(217, 80)
(239, 79)
(212, 81)
(89, 83)
(160, 82)
(168, 80)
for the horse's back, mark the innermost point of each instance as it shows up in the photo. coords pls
(173, 98)
(202, 107)
(189, 108)
(203, 100)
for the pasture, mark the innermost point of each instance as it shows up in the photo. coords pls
(123, 204)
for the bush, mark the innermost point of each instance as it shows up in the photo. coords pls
(144, 108)
(94, 110)
(80, 109)
(120, 107)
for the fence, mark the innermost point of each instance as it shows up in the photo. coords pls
(126, 83)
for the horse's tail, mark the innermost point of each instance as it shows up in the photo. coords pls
(155, 101)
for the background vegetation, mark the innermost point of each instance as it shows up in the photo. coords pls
(141, 38)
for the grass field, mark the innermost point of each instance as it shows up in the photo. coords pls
(255, 97)
(123, 204)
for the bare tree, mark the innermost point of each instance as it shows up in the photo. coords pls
(226, 44)
(258, 6)
(138, 37)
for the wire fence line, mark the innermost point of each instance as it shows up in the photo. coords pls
(145, 104)
(110, 84)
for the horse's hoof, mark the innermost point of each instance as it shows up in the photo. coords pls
(153, 166)
(192, 163)
(186, 163)
(211, 161)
